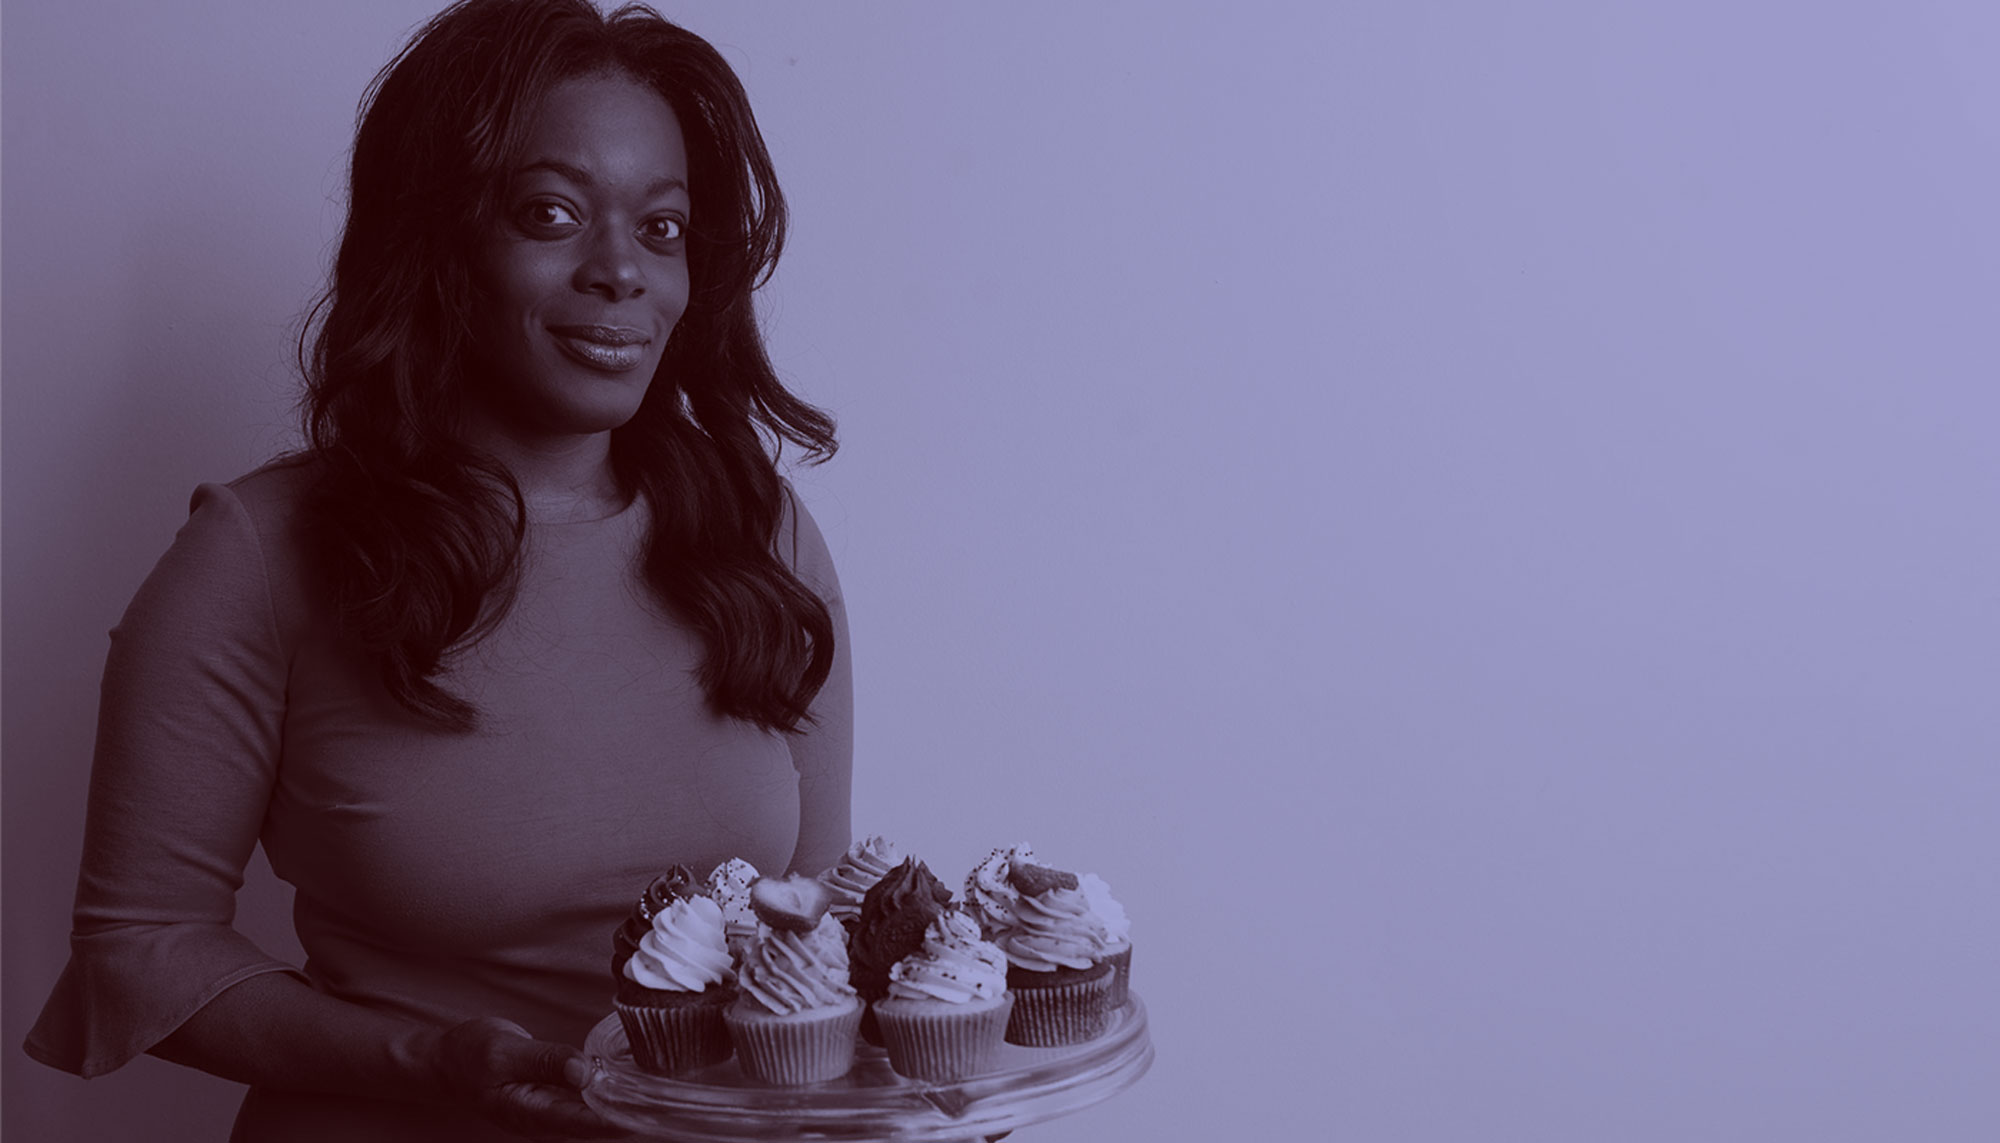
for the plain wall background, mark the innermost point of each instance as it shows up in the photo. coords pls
(1477, 519)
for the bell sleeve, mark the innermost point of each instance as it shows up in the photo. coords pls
(188, 738)
(823, 753)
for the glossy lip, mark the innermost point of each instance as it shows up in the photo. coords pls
(613, 335)
(606, 348)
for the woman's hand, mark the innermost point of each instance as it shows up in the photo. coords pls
(526, 1085)
(275, 1030)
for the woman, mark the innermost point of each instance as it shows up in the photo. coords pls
(531, 618)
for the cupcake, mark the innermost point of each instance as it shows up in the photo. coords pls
(729, 885)
(989, 897)
(1117, 927)
(865, 862)
(673, 988)
(795, 1014)
(946, 1011)
(894, 916)
(676, 884)
(1057, 964)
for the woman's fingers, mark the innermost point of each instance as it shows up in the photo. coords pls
(526, 1084)
(539, 1110)
(490, 1050)
(557, 1064)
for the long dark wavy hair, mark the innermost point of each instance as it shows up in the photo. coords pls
(419, 535)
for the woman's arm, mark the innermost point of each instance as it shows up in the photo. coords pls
(189, 738)
(275, 1031)
(824, 754)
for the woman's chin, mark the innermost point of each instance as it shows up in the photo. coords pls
(591, 422)
(539, 417)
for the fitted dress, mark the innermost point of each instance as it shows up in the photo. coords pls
(438, 875)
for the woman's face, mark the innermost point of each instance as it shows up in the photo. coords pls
(586, 272)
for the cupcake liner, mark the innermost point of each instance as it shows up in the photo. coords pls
(800, 1048)
(871, 1028)
(941, 1041)
(1050, 1017)
(675, 1039)
(1121, 977)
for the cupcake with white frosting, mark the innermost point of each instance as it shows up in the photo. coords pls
(990, 897)
(795, 1015)
(729, 884)
(1118, 933)
(864, 864)
(945, 1014)
(673, 988)
(1058, 963)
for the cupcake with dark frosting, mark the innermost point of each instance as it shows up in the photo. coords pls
(894, 915)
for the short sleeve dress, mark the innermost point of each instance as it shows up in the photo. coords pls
(438, 875)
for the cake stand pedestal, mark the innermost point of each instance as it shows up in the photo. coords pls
(720, 1105)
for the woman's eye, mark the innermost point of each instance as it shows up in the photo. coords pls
(550, 214)
(665, 229)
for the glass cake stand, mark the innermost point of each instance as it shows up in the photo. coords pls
(720, 1105)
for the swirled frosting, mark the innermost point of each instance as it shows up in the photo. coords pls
(893, 919)
(729, 884)
(677, 883)
(866, 862)
(1117, 926)
(954, 964)
(684, 951)
(988, 895)
(790, 972)
(1052, 930)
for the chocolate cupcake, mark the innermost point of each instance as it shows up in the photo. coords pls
(673, 988)
(1118, 931)
(894, 915)
(1058, 961)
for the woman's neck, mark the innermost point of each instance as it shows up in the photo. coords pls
(563, 478)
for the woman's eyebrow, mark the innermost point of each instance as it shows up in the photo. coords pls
(583, 178)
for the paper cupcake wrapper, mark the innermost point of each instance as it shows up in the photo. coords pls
(943, 1043)
(794, 1049)
(1064, 1014)
(871, 1030)
(1121, 977)
(674, 1040)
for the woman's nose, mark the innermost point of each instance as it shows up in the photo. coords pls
(612, 266)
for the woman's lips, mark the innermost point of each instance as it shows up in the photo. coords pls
(614, 349)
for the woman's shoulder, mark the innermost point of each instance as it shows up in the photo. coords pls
(265, 505)
(251, 528)
(270, 494)
(229, 578)
(802, 546)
